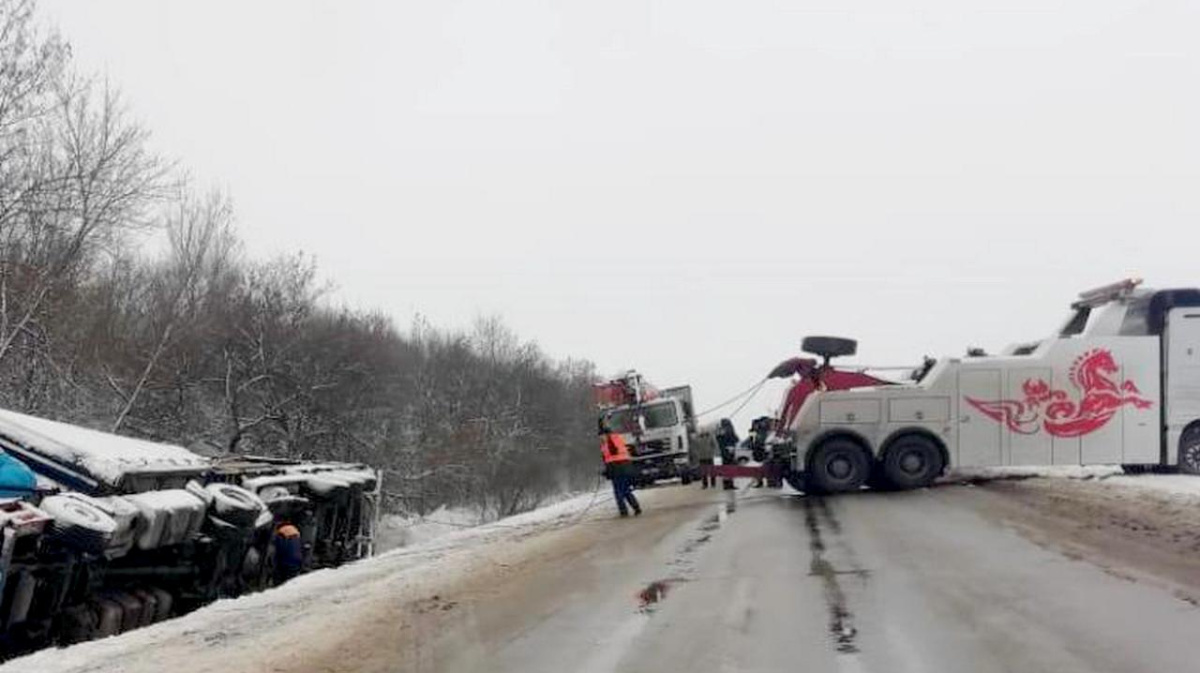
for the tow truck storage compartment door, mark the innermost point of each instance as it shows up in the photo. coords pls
(1183, 372)
(1183, 364)
(978, 435)
(919, 410)
(836, 412)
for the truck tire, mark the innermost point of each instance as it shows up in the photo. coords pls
(838, 466)
(235, 504)
(830, 347)
(1189, 450)
(79, 523)
(912, 462)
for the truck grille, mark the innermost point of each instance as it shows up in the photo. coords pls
(653, 446)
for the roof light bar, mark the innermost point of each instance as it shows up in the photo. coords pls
(1106, 293)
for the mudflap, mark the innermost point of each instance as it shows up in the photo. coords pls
(796, 480)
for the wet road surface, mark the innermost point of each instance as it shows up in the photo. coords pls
(897, 582)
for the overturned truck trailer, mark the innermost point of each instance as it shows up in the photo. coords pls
(101, 534)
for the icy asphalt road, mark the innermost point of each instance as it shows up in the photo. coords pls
(921, 581)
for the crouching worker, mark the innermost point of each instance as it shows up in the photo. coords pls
(289, 552)
(618, 467)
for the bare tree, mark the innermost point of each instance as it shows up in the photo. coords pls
(200, 345)
(202, 248)
(104, 180)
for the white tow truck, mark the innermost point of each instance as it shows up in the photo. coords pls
(1118, 383)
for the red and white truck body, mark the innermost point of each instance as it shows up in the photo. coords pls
(1119, 383)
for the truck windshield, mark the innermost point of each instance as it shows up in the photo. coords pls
(622, 421)
(661, 415)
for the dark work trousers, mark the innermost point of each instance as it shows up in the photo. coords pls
(622, 481)
(289, 558)
(707, 479)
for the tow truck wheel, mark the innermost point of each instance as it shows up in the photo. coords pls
(912, 462)
(838, 465)
(1189, 451)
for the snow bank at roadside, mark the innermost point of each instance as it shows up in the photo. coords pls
(1181, 485)
(407, 530)
(247, 616)
(1171, 484)
(974, 474)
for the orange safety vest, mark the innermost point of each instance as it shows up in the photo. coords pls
(288, 531)
(614, 449)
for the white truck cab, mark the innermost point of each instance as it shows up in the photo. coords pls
(657, 433)
(1118, 383)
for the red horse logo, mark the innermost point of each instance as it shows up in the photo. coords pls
(1101, 398)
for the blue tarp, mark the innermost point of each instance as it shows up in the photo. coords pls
(16, 480)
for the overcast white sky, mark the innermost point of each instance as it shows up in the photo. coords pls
(688, 186)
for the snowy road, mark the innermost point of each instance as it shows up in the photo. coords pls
(1044, 575)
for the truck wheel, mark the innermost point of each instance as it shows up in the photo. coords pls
(1189, 451)
(79, 523)
(837, 466)
(235, 504)
(912, 462)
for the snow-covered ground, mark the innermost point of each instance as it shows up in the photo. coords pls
(1182, 485)
(1047, 471)
(407, 530)
(1172, 484)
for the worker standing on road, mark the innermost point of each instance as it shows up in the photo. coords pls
(289, 552)
(618, 467)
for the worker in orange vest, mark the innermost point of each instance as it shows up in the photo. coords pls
(618, 467)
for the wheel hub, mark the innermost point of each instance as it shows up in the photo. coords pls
(840, 468)
(1192, 455)
(912, 462)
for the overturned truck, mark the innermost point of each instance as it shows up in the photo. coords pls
(101, 534)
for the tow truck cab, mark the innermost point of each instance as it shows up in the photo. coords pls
(1119, 383)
